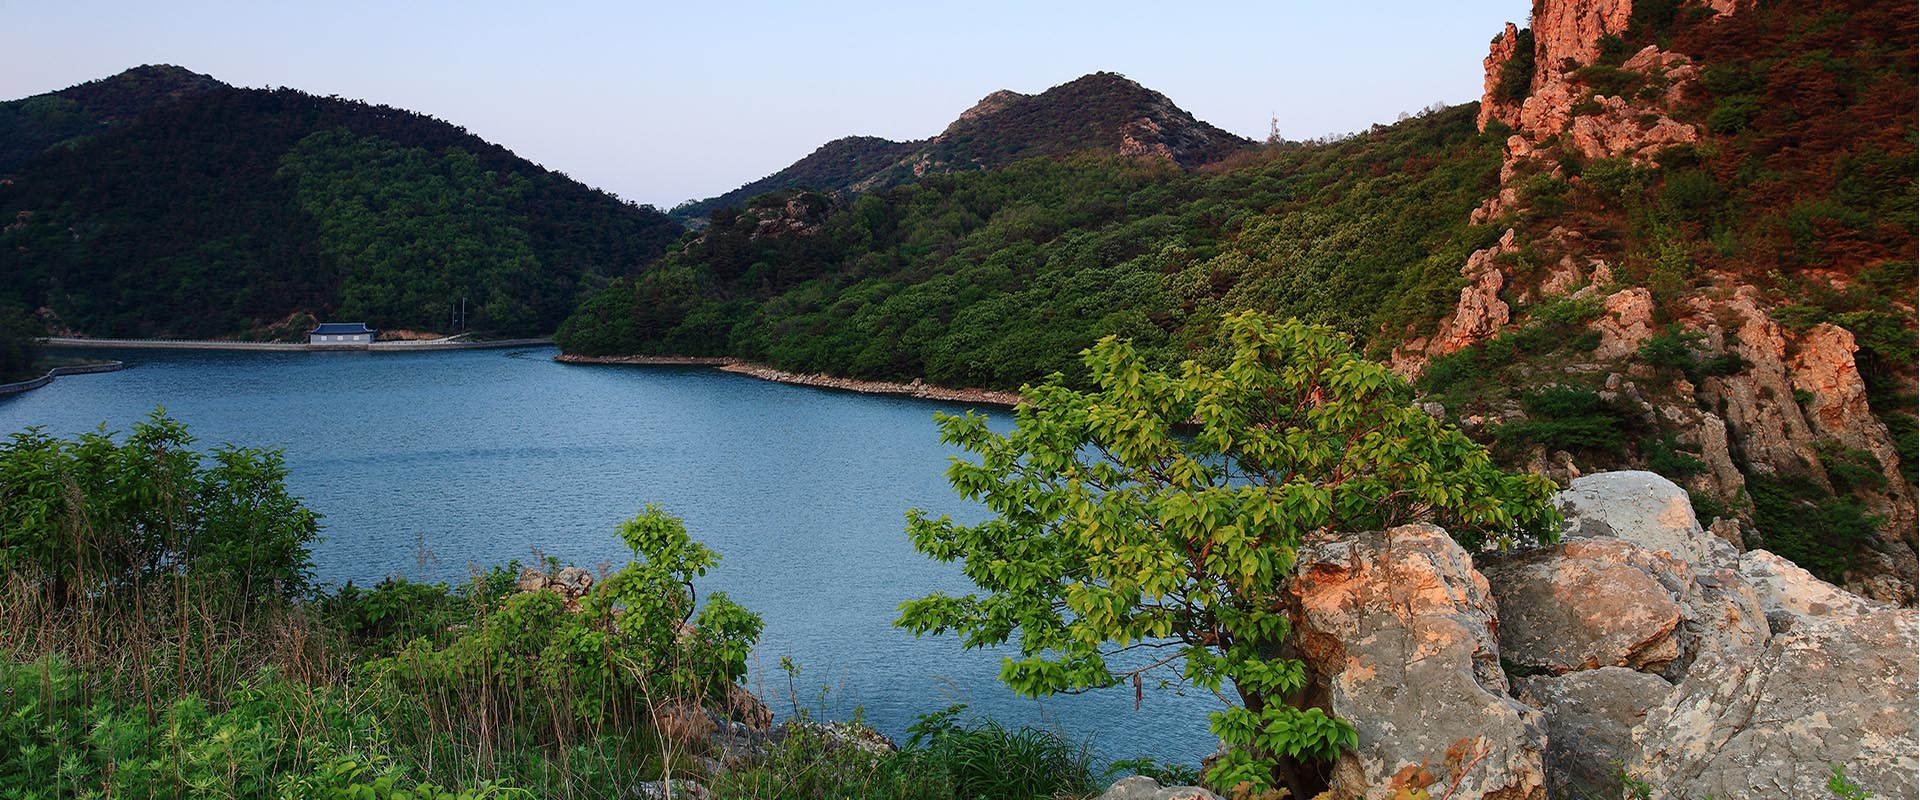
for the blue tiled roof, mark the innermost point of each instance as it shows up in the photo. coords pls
(336, 328)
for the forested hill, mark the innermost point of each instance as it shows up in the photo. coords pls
(162, 203)
(1103, 112)
(30, 126)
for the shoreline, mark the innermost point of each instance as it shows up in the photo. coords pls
(918, 390)
(22, 387)
(396, 346)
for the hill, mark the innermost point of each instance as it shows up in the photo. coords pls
(1103, 112)
(30, 126)
(1676, 236)
(162, 203)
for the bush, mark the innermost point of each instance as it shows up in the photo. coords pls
(94, 518)
(633, 645)
(1516, 73)
(1567, 418)
(1732, 114)
(1808, 525)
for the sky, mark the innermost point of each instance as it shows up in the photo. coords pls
(666, 103)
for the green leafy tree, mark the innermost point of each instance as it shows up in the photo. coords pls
(1151, 523)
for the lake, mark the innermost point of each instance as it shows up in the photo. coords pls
(427, 464)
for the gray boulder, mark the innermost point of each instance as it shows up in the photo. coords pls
(1398, 629)
(1837, 689)
(1141, 787)
(1643, 508)
(1590, 717)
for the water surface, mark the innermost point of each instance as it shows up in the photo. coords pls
(426, 464)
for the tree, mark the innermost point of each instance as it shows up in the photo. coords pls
(1151, 523)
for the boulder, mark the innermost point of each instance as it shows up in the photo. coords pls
(1643, 508)
(1590, 717)
(1141, 787)
(683, 721)
(1580, 604)
(1398, 630)
(1835, 689)
(572, 583)
(675, 789)
(1584, 604)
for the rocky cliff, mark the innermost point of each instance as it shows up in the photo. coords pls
(1662, 166)
(1641, 646)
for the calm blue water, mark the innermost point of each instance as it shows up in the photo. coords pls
(425, 464)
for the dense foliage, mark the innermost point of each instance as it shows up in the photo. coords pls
(997, 278)
(98, 520)
(1121, 544)
(228, 212)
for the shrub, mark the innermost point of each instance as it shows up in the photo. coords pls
(1516, 73)
(1732, 114)
(1567, 418)
(93, 517)
(1808, 525)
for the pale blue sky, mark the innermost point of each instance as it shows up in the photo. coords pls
(664, 103)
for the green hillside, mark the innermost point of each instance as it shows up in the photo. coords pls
(241, 212)
(994, 278)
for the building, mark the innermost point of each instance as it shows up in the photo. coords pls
(340, 333)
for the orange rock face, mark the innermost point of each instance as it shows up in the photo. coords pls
(1491, 108)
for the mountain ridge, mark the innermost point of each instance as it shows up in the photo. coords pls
(1102, 111)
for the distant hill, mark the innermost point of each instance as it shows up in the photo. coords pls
(161, 202)
(1103, 112)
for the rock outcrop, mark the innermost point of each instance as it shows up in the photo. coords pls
(1625, 323)
(1788, 594)
(1640, 642)
(1400, 629)
(1566, 37)
(1829, 690)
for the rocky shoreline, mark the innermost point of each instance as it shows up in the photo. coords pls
(916, 389)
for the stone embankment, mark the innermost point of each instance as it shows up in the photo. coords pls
(7, 389)
(916, 389)
(397, 346)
